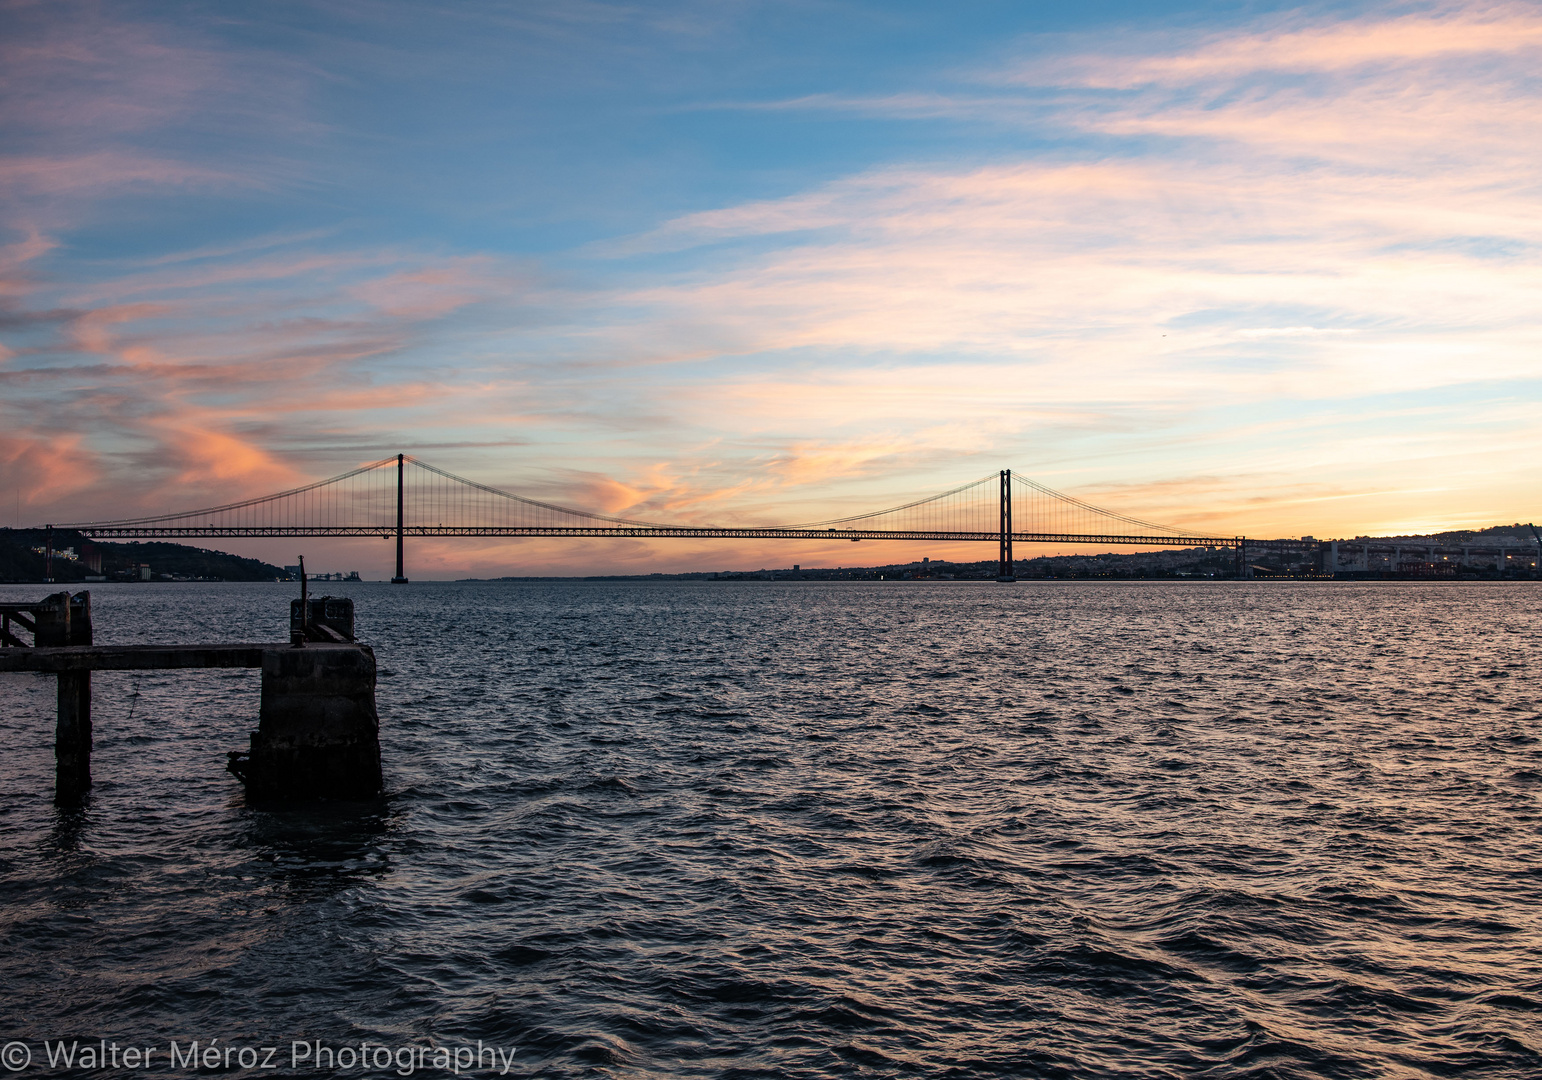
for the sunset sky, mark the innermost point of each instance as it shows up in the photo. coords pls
(1245, 268)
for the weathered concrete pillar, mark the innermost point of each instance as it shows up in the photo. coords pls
(318, 735)
(53, 620)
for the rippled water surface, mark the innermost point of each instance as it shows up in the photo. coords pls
(805, 830)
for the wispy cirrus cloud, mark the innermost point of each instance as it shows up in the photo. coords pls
(207, 376)
(1332, 209)
(1393, 37)
(108, 170)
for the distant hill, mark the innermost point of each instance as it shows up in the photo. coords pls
(75, 556)
(1494, 534)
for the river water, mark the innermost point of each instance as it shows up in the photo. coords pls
(812, 830)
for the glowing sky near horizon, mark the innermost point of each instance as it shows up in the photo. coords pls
(1243, 268)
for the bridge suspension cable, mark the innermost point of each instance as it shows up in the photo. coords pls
(1042, 509)
(405, 496)
(968, 508)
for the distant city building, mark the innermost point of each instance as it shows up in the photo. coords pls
(67, 554)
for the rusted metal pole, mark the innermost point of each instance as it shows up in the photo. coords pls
(297, 637)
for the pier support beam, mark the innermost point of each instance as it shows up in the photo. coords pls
(72, 739)
(63, 620)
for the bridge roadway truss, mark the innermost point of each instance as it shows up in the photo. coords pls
(387, 532)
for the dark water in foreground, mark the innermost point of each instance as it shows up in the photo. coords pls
(808, 830)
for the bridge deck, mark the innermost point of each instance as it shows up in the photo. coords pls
(142, 532)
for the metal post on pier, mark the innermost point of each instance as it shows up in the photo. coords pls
(48, 554)
(401, 576)
(297, 635)
(1004, 571)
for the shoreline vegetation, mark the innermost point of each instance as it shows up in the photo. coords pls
(78, 561)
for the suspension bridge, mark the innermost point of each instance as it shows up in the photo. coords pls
(402, 496)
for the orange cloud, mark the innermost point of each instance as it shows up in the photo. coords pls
(203, 459)
(42, 471)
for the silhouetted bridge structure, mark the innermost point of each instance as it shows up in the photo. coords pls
(402, 496)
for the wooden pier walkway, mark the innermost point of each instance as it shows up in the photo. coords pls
(135, 657)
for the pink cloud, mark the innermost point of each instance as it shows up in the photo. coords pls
(1454, 31)
(433, 291)
(1011, 260)
(71, 67)
(14, 257)
(45, 471)
(91, 331)
(107, 169)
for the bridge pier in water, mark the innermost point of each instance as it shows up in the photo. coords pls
(317, 734)
(1006, 571)
(401, 576)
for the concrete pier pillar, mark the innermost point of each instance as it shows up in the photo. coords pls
(318, 735)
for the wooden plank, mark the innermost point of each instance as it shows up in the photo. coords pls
(326, 634)
(138, 657)
(27, 623)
